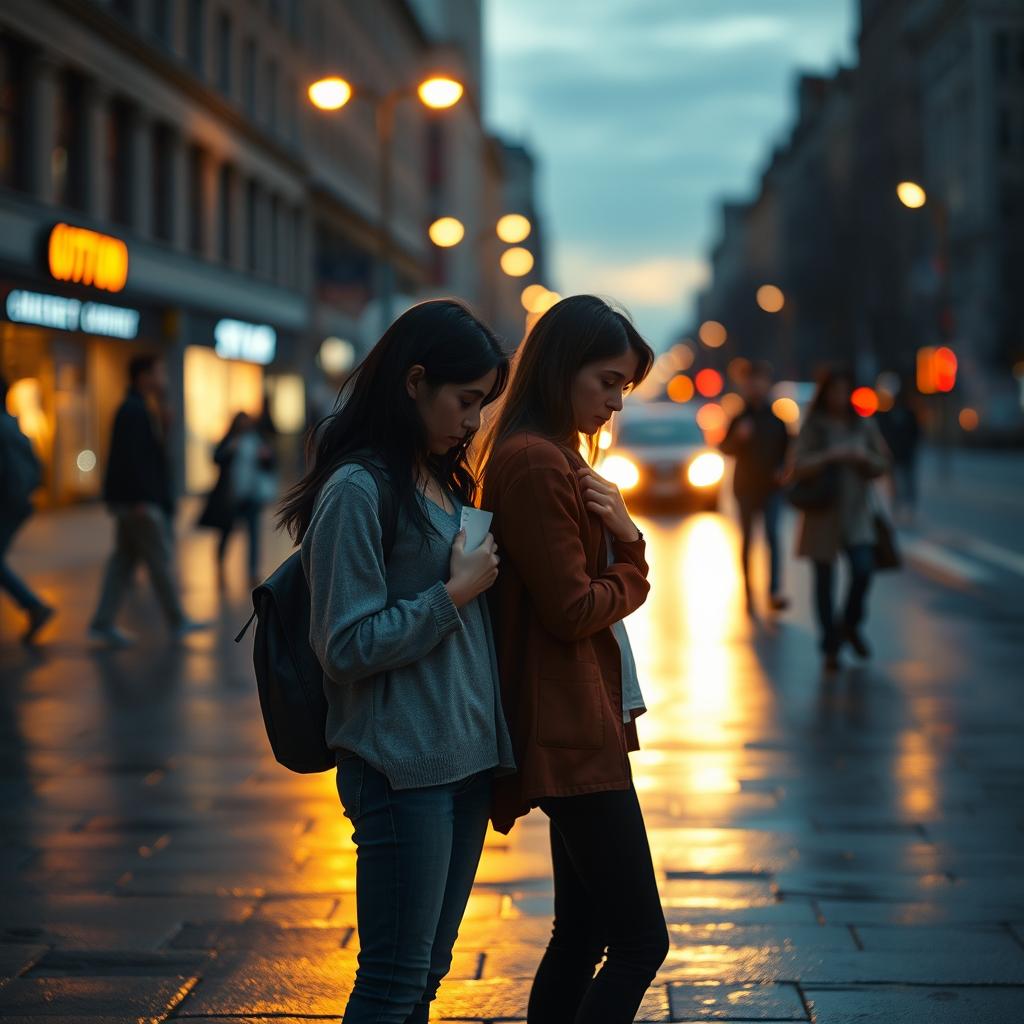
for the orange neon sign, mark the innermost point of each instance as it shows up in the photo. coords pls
(87, 257)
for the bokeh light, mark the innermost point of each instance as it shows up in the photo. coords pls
(446, 232)
(709, 382)
(513, 228)
(770, 298)
(911, 194)
(864, 401)
(712, 333)
(969, 419)
(517, 262)
(733, 404)
(786, 410)
(711, 417)
(680, 388)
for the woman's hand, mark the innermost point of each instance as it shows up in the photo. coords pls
(472, 572)
(605, 501)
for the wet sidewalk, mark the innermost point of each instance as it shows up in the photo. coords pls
(835, 850)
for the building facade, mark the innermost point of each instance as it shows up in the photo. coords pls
(166, 187)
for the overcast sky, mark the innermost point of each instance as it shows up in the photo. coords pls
(642, 115)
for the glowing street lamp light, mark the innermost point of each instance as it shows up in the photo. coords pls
(446, 232)
(330, 93)
(514, 228)
(517, 262)
(440, 92)
(911, 195)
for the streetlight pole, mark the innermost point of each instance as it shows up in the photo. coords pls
(438, 92)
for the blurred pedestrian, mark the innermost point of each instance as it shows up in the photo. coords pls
(574, 568)
(138, 491)
(759, 441)
(247, 483)
(20, 475)
(400, 625)
(842, 452)
(901, 429)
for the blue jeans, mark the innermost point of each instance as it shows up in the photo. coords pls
(769, 508)
(417, 852)
(247, 512)
(862, 563)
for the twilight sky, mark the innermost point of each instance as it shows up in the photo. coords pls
(643, 114)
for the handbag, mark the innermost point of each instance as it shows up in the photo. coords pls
(887, 553)
(816, 492)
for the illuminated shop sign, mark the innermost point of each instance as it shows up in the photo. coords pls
(254, 343)
(71, 315)
(87, 257)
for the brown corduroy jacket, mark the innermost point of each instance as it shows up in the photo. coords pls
(553, 606)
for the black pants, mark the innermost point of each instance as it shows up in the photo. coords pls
(862, 563)
(606, 900)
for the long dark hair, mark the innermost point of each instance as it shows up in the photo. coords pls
(374, 416)
(579, 330)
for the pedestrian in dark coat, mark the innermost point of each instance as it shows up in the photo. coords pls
(759, 442)
(139, 493)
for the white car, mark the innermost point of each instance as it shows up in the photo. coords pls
(658, 453)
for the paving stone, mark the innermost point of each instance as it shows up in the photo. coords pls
(82, 999)
(902, 939)
(304, 910)
(714, 1001)
(794, 911)
(251, 985)
(266, 937)
(481, 1000)
(794, 936)
(16, 958)
(947, 912)
(923, 1005)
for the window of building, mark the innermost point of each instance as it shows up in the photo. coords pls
(292, 109)
(272, 90)
(67, 160)
(275, 238)
(295, 256)
(197, 200)
(1001, 53)
(224, 48)
(252, 204)
(163, 172)
(195, 35)
(124, 9)
(118, 158)
(224, 199)
(249, 77)
(13, 115)
(161, 27)
(295, 19)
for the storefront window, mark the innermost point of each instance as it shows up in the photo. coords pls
(67, 162)
(215, 390)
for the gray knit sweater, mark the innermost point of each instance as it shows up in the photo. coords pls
(411, 681)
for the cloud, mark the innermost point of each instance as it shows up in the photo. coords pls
(643, 115)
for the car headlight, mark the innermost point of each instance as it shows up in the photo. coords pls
(706, 469)
(619, 470)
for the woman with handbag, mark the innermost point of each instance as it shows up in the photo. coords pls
(836, 457)
(574, 567)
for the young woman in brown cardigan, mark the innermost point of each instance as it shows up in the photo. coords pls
(573, 568)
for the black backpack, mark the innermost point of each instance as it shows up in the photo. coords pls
(289, 677)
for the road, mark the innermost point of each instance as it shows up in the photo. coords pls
(831, 849)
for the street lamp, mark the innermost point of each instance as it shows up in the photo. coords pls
(436, 92)
(911, 195)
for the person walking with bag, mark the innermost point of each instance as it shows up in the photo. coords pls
(137, 489)
(401, 630)
(245, 486)
(759, 441)
(836, 457)
(574, 567)
(20, 475)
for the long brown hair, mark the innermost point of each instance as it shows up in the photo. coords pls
(575, 332)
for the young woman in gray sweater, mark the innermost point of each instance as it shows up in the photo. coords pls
(403, 635)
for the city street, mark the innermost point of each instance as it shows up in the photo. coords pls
(839, 850)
